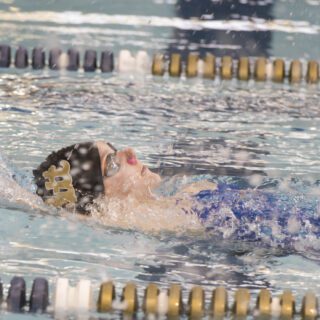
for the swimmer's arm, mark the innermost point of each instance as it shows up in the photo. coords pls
(198, 186)
(17, 195)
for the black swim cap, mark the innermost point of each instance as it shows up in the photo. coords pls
(71, 175)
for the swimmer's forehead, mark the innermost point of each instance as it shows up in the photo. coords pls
(105, 148)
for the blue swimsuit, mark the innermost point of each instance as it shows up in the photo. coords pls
(256, 215)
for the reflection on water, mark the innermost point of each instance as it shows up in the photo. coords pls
(288, 29)
(235, 43)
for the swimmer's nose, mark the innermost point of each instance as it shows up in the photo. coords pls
(131, 156)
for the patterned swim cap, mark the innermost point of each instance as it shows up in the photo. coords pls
(71, 177)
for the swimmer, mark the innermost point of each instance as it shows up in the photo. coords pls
(84, 176)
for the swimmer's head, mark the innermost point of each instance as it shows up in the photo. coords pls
(78, 174)
(123, 174)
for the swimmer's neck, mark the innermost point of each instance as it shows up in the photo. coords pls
(135, 198)
(150, 197)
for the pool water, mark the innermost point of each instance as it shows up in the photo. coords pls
(257, 135)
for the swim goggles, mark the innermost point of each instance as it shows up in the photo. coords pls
(112, 167)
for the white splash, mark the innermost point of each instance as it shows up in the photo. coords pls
(14, 193)
(154, 216)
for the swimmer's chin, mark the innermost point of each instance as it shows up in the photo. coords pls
(152, 182)
(155, 181)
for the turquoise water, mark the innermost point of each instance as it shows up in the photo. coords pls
(258, 134)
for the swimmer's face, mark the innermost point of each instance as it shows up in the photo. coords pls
(130, 178)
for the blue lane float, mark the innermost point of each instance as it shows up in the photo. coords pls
(90, 61)
(54, 58)
(21, 60)
(39, 297)
(1, 292)
(107, 61)
(73, 60)
(16, 299)
(38, 58)
(5, 56)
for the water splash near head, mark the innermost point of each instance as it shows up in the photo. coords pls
(156, 216)
(17, 192)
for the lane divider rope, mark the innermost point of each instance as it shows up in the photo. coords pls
(210, 67)
(156, 301)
